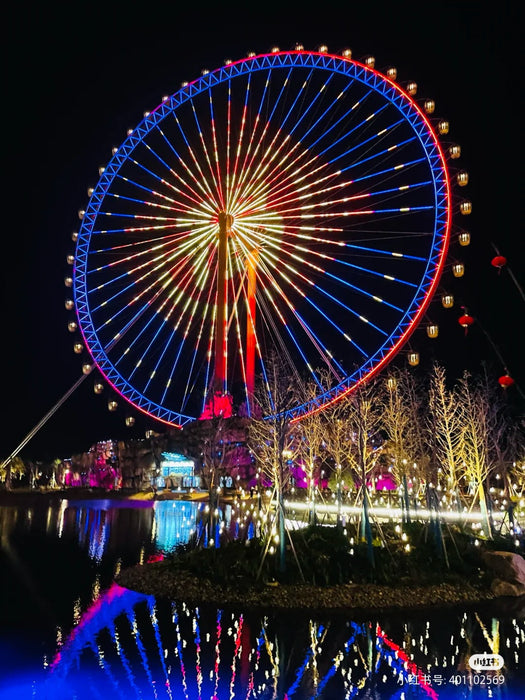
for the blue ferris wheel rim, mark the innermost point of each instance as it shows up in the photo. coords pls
(274, 61)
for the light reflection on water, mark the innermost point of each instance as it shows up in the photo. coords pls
(98, 640)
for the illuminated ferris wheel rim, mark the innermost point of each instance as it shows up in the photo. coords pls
(350, 68)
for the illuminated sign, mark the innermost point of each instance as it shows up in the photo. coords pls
(176, 464)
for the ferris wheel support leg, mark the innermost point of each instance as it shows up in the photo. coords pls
(44, 420)
(250, 324)
(225, 224)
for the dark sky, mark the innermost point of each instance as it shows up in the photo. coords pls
(77, 76)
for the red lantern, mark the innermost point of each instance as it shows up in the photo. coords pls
(505, 381)
(465, 321)
(499, 261)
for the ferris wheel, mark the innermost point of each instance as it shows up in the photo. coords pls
(294, 203)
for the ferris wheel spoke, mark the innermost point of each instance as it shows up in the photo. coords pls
(368, 212)
(400, 190)
(233, 172)
(147, 246)
(328, 203)
(161, 229)
(152, 266)
(294, 255)
(257, 183)
(382, 275)
(171, 171)
(185, 339)
(215, 188)
(200, 179)
(111, 342)
(327, 112)
(344, 119)
(164, 221)
(344, 282)
(147, 350)
(341, 304)
(321, 191)
(250, 155)
(379, 154)
(141, 311)
(158, 178)
(320, 349)
(123, 292)
(208, 364)
(171, 207)
(270, 149)
(323, 354)
(385, 172)
(292, 250)
(136, 229)
(162, 356)
(185, 206)
(383, 251)
(271, 322)
(198, 195)
(282, 178)
(363, 142)
(337, 327)
(218, 178)
(175, 362)
(251, 180)
(290, 111)
(278, 101)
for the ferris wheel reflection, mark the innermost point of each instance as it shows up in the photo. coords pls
(132, 645)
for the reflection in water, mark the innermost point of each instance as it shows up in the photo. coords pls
(103, 526)
(104, 641)
(175, 522)
(139, 646)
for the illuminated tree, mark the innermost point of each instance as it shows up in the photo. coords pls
(445, 430)
(310, 436)
(212, 442)
(11, 468)
(55, 467)
(445, 421)
(420, 437)
(271, 436)
(363, 415)
(32, 468)
(339, 443)
(475, 416)
(404, 429)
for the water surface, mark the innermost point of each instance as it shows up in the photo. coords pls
(67, 631)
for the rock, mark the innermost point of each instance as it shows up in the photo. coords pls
(507, 589)
(507, 566)
(159, 579)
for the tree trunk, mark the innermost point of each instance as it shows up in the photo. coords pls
(484, 511)
(8, 480)
(282, 534)
(367, 529)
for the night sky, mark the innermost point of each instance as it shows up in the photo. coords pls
(77, 76)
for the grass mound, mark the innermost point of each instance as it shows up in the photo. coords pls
(325, 556)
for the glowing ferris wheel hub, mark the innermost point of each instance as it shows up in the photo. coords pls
(296, 201)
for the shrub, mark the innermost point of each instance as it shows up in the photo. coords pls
(323, 556)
